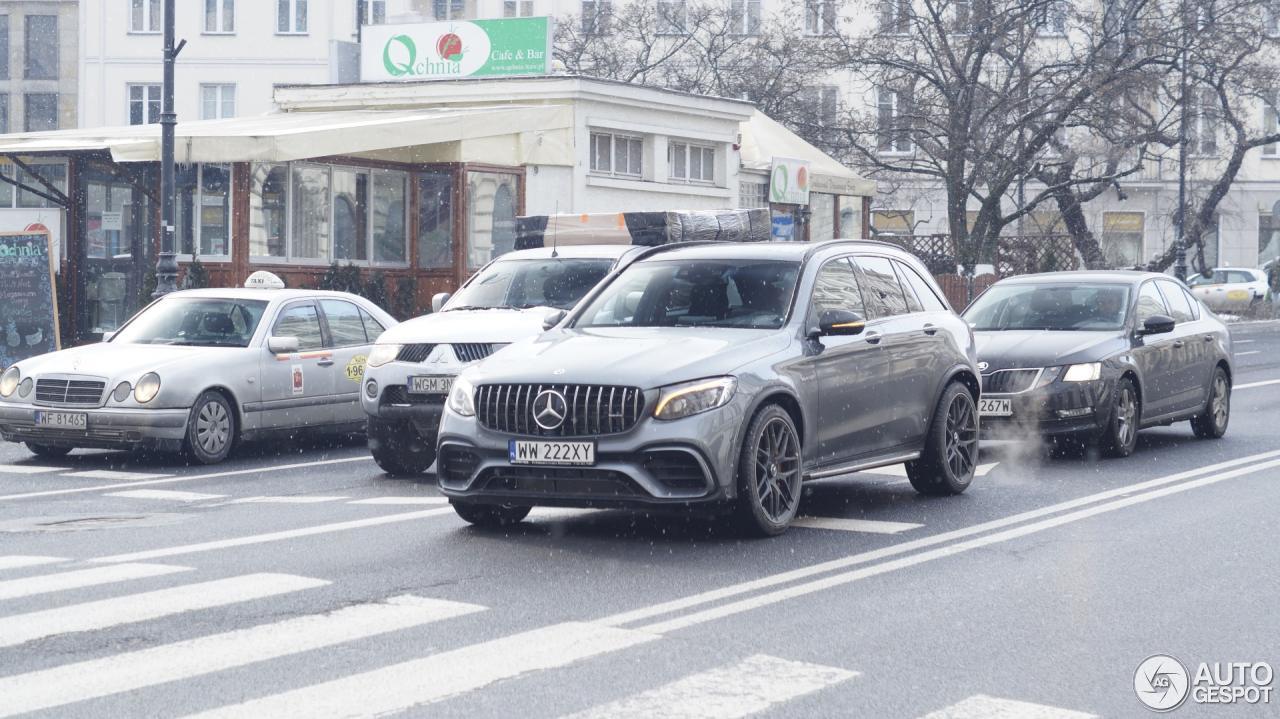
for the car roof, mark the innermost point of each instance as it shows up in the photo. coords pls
(244, 293)
(1131, 277)
(605, 252)
(797, 251)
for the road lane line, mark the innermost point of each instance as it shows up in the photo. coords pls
(164, 495)
(904, 547)
(18, 561)
(981, 706)
(192, 478)
(402, 500)
(47, 583)
(135, 670)
(30, 469)
(274, 536)
(298, 499)
(1243, 342)
(1251, 352)
(854, 525)
(116, 475)
(733, 691)
(836, 580)
(437, 677)
(92, 616)
(1251, 385)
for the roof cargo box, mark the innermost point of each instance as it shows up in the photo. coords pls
(643, 228)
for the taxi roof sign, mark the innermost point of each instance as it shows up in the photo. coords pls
(263, 280)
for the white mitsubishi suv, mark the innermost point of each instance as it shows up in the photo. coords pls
(411, 368)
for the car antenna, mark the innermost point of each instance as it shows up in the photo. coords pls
(555, 220)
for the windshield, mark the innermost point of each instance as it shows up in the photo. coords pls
(549, 282)
(205, 322)
(1050, 307)
(709, 293)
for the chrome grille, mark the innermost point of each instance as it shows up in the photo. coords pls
(414, 353)
(69, 392)
(1009, 381)
(592, 409)
(473, 351)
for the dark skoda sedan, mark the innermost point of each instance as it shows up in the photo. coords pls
(1098, 356)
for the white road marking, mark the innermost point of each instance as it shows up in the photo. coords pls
(900, 470)
(729, 692)
(402, 500)
(854, 525)
(1251, 352)
(1243, 342)
(191, 478)
(1251, 385)
(47, 583)
(116, 475)
(130, 671)
(164, 494)
(295, 499)
(904, 547)
(981, 706)
(440, 676)
(30, 469)
(91, 616)
(18, 561)
(274, 536)
(799, 590)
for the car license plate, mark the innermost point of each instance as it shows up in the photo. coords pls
(430, 385)
(523, 451)
(995, 407)
(62, 420)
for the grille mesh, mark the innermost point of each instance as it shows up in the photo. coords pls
(414, 353)
(69, 392)
(1008, 381)
(472, 351)
(591, 409)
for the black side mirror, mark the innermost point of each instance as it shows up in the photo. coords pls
(840, 322)
(1156, 325)
(552, 319)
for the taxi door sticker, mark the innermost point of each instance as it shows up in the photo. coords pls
(297, 379)
(355, 368)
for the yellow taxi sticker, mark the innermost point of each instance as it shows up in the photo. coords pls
(1238, 295)
(355, 368)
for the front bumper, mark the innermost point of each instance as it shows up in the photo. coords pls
(1056, 409)
(107, 428)
(385, 396)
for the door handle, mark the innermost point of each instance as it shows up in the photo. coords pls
(930, 329)
(325, 363)
(1208, 338)
(1177, 344)
(873, 337)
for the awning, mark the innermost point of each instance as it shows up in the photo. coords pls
(539, 134)
(763, 139)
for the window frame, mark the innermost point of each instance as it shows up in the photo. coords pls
(672, 25)
(145, 87)
(601, 17)
(899, 140)
(220, 101)
(220, 17)
(745, 17)
(26, 110)
(596, 136)
(292, 17)
(197, 224)
(688, 147)
(1137, 304)
(150, 25)
(290, 305)
(54, 48)
(331, 337)
(821, 17)
(854, 270)
(373, 10)
(906, 269)
(878, 303)
(1168, 303)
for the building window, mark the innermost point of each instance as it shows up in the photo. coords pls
(744, 17)
(617, 155)
(672, 17)
(895, 17)
(1270, 125)
(1268, 238)
(390, 208)
(820, 17)
(41, 112)
(492, 199)
(4, 47)
(691, 163)
(375, 12)
(309, 215)
(291, 17)
(822, 103)
(203, 212)
(893, 133)
(1122, 238)
(595, 16)
(1051, 19)
(42, 47)
(1202, 134)
(753, 194)
(452, 9)
(961, 16)
(144, 104)
(54, 173)
(435, 220)
(517, 8)
(220, 16)
(217, 101)
(145, 16)
(268, 210)
(1271, 21)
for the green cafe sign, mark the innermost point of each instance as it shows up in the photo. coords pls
(476, 48)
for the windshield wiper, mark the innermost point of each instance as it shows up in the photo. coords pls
(477, 307)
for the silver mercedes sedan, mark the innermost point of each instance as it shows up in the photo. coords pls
(198, 371)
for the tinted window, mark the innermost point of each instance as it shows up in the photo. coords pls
(372, 327)
(1059, 307)
(882, 286)
(303, 322)
(345, 326)
(913, 282)
(1179, 308)
(532, 283)
(1195, 304)
(1150, 302)
(836, 288)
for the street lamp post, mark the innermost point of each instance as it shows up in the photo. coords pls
(1180, 246)
(167, 263)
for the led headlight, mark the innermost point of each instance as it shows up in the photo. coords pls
(25, 388)
(461, 400)
(1083, 372)
(122, 391)
(689, 398)
(147, 388)
(382, 354)
(9, 381)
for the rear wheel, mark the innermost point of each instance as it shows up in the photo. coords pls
(211, 428)
(769, 473)
(48, 451)
(1120, 436)
(491, 515)
(397, 448)
(1212, 422)
(950, 452)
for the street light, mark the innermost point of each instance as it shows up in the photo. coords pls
(1180, 241)
(167, 263)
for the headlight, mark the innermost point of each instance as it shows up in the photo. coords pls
(122, 391)
(147, 389)
(9, 381)
(460, 398)
(382, 354)
(690, 398)
(24, 389)
(1083, 372)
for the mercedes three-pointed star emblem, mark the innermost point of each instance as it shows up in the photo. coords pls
(549, 409)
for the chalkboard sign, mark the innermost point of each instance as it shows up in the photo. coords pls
(28, 298)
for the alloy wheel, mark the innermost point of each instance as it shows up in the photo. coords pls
(213, 427)
(1221, 401)
(1126, 416)
(962, 436)
(777, 469)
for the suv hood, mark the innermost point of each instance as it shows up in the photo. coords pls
(498, 326)
(644, 357)
(1045, 348)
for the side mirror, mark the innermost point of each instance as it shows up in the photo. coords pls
(438, 300)
(282, 345)
(106, 336)
(1157, 325)
(840, 322)
(552, 319)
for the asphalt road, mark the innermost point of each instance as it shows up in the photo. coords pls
(300, 581)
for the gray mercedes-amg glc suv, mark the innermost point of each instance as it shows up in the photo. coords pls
(721, 375)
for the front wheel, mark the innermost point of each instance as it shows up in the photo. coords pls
(950, 452)
(769, 473)
(491, 515)
(1120, 436)
(48, 451)
(211, 429)
(397, 448)
(1212, 422)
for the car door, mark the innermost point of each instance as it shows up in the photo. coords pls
(1155, 355)
(928, 316)
(350, 343)
(1193, 349)
(298, 387)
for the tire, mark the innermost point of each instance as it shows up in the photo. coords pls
(491, 516)
(769, 474)
(950, 453)
(1120, 437)
(1212, 422)
(397, 448)
(212, 428)
(48, 451)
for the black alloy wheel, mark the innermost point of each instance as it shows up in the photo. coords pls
(950, 455)
(1212, 422)
(769, 473)
(1120, 436)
